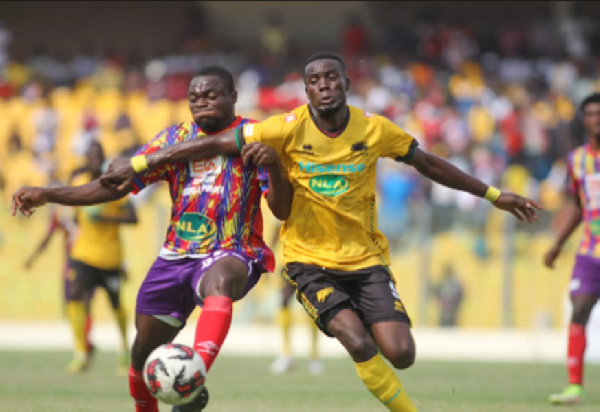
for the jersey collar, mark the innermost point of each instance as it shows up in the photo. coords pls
(333, 133)
(236, 122)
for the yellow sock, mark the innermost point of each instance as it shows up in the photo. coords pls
(314, 346)
(285, 320)
(381, 380)
(121, 317)
(76, 316)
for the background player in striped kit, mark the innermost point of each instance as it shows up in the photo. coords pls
(584, 206)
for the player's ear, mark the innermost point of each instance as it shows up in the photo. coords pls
(347, 83)
(234, 96)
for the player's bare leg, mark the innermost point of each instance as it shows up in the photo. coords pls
(582, 308)
(377, 376)
(223, 282)
(395, 342)
(285, 361)
(151, 333)
(77, 309)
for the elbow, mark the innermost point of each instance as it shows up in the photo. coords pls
(280, 212)
(283, 214)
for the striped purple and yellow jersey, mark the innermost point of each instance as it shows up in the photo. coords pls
(215, 201)
(584, 181)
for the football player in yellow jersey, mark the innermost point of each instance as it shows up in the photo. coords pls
(96, 260)
(335, 256)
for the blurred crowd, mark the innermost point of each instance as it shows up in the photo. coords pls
(500, 104)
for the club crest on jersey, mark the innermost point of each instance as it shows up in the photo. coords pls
(329, 185)
(195, 227)
(323, 293)
(290, 117)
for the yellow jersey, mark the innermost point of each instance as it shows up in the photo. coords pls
(98, 244)
(333, 221)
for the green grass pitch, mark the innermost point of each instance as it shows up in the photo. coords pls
(35, 382)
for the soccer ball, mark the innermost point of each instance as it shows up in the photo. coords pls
(174, 373)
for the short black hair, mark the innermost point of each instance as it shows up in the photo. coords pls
(592, 98)
(221, 73)
(325, 55)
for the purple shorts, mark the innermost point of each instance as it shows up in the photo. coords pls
(586, 276)
(170, 285)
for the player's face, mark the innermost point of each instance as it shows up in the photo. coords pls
(211, 104)
(326, 86)
(95, 158)
(591, 119)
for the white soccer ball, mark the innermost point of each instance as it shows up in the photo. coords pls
(174, 373)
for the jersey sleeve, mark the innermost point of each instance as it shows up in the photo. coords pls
(165, 138)
(395, 143)
(270, 132)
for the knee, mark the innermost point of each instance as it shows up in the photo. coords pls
(580, 315)
(224, 284)
(402, 356)
(360, 346)
(581, 311)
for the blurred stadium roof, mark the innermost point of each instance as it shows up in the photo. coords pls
(153, 27)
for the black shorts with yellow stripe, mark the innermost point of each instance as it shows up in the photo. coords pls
(370, 292)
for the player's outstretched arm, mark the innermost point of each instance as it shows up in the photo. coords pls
(280, 193)
(573, 219)
(26, 199)
(447, 174)
(121, 172)
(40, 247)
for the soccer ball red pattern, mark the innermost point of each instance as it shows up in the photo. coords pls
(174, 373)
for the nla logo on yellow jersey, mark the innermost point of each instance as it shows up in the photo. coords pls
(328, 183)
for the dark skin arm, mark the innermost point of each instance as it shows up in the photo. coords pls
(447, 174)
(573, 219)
(43, 244)
(120, 174)
(279, 196)
(26, 199)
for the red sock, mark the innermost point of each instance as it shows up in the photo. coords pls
(88, 328)
(212, 327)
(144, 401)
(575, 351)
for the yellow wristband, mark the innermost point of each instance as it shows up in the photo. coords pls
(139, 163)
(492, 194)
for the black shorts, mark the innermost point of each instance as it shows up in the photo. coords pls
(89, 277)
(370, 292)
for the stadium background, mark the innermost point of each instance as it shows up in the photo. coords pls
(493, 91)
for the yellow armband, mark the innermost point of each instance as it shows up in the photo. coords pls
(492, 194)
(139, 163)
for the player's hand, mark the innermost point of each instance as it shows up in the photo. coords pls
(26, 199)
(521, 207)
(551, 256)
(259, 154)
(119, 175)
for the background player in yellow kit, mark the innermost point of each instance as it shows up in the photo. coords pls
(96, 260)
